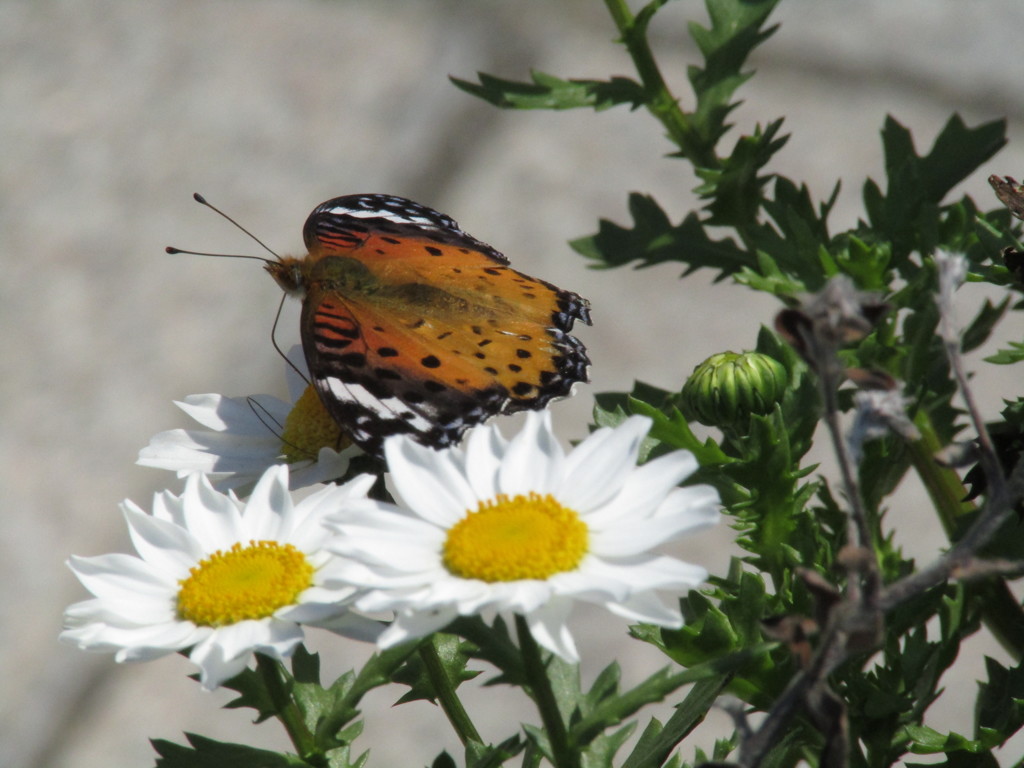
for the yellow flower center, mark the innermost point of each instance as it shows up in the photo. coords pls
(523, 537)
(309, 428)
(246, 582)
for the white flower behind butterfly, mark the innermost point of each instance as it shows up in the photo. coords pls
(243, 436)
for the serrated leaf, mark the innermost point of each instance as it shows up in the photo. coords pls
(601, 751)
(1012, 354)
(453, 655)
(305, 665)
(443, 760)
(653, 239)
(909, 212)
(342, 698)
(613, 710)
(735, 187)
(550, 92)
(652, 752)
(736, 28)
(253, 692)
(1001, 698)
(492, 756)
(978, 331)
(208, 753)
(927, 741)
(494, 645)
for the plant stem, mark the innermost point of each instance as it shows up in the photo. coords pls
(444, 689)
(943, 485)
(286, 710)
(562, 754)
(660, 102)
(1001, 613)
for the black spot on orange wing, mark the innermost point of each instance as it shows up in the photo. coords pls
(453, 287)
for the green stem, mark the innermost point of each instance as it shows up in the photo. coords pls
(1001, 612)
(660, 101)
(286, 710)
(444, 689)
(562, 754)
(943, 485)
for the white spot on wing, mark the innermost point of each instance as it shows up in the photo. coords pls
(387, 409)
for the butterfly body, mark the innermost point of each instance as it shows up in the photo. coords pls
(411, 326)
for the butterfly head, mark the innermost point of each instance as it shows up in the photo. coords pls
(289, 272)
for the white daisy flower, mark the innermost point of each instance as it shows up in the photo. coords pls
(522, 527)
(218, 576)
(245, 435)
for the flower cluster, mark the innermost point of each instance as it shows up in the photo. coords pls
(497, 526)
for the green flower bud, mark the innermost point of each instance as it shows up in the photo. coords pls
(727, 388)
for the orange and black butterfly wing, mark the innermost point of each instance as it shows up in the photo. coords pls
(413, 326)
(377, 377)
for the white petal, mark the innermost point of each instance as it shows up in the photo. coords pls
(533, 460)
(549, 627)
(515, 596)
(485, 448)
(648, 573)
(211, 516)
(428, 481)
(128, 614)
(648, 608)
(597, 468)
(269, 508)
(167, 547)
(236, 414)
(133, 643)
(644, 489)
(698, 504)
(214, 665)
(123, 577)
(329, 465)
(352, 626)
(311, 514)
(413, 624)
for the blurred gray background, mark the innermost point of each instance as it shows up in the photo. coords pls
(113, 113)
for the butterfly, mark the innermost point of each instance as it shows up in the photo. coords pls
(411, 326)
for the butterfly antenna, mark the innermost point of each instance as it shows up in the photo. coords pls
(172, 250)
(202, 200)
(273, 340)
(273, 426)
(261, 412)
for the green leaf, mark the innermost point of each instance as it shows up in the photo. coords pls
(908, 213)
(330, 711)
(736, 29)
(550, 92)
(962, 760)
(734, 186)
(927, 741)
(253, 692)
(208, 753)
(492, 756)
(443, 760)
(494, 645)
(305, 665)
(654, 239)
(613, 707)
(654, 748)
(1012, 354)
(1000, 704)
(978, 331)
(454, 654)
